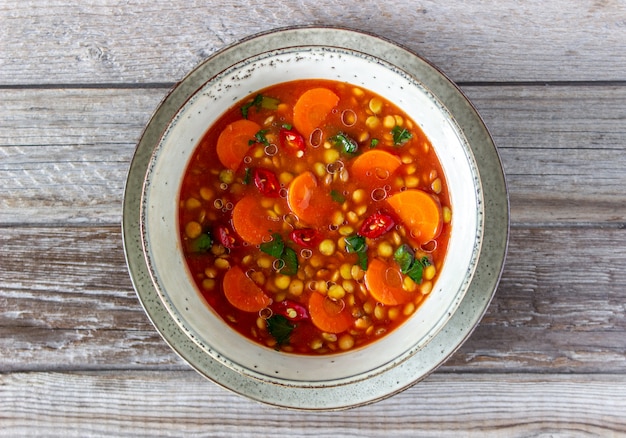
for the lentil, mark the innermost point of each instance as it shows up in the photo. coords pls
(222, 263)
(327, 247)
(346, 342)
(193, 229)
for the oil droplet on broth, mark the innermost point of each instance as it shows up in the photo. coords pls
(393, 277)
(333, 307)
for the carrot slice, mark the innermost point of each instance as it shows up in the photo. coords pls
(242, 292)
(311, 203)
(376, 165)
(233, 143)
(420, 212)
(328, 315)
(384, 283)
(312, 107)
(251, 221)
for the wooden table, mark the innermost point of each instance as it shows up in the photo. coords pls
(78, 357)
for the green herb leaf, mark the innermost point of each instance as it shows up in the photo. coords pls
(356, 244)
(259, 102)
(290, 262)
(404, 256)
(374, 143)
(274, 247)
(259, 137)
(344, 143)
(288, 126)
(248, 176)
(409, 265)
(362, 260)
(288, 258)
(400, 135)
(415, 271)
(280, 328)
(337, 196)
(256, 102)
(201, 244)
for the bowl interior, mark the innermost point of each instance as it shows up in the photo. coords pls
(160, 223)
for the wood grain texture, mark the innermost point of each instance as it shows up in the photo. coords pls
(108, 41)
(66, 303)
(562, 149)
(134, 404)
(79, 81)
(67, 151)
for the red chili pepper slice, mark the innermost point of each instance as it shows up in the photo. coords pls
(266, 181)
(307, 237)
(376, 225)
(291, 139)
(291, 310)
(225, 237)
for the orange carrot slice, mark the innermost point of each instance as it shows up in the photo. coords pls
(312, 108)
(375, 165)
(384, 283)
(242, 292)
(251, 221)
(328, 315)
(420, 212)
(311, 203)
(233, 143)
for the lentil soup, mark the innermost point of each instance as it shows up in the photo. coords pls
(314, 217)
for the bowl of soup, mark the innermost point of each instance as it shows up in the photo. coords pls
(315, 218)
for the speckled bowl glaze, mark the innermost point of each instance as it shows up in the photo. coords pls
(465, 285)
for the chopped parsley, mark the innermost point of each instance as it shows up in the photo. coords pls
(287, 256)
(409, 265)
(201, 244)
(356, 244)
(280, 328)
(337, 196)
(290, 262)
(274, 247)
(404, 256)
(400, 135)
(374, 143)
(344, 143)
(248, 176)
(256, 102)
(260, 137)
(259, 102)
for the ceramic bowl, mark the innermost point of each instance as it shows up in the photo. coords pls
(466, 282)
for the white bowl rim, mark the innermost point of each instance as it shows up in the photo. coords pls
(330, 395)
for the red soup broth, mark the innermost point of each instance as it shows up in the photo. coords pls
(314, 217)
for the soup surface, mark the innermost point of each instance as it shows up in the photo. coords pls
(314, 217)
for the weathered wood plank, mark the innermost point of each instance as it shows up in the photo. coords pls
(31, 349)
(78, 357)
(561, 149)
(65, 153)
(561, 302)
(131, 404)
(66, 302)
(106, 41)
